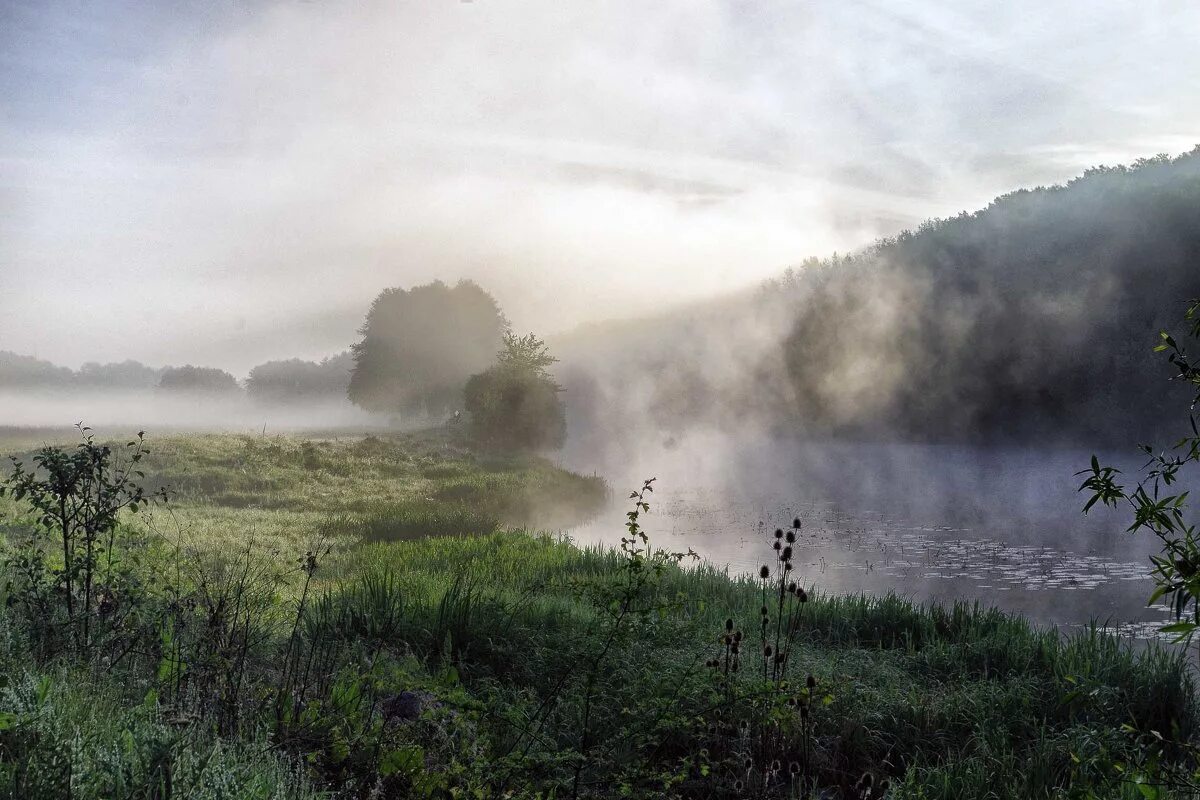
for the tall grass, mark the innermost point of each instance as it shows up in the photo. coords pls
(437, 653)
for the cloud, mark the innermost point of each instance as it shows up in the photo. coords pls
(229, 183)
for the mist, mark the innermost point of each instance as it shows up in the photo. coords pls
(121, 411)
(233, 183)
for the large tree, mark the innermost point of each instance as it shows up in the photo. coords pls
(420, 345)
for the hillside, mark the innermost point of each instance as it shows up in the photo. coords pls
(1033, 318)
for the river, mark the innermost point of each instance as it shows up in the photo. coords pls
(1001, 525)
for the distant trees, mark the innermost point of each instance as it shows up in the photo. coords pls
(296, 380)
(1013, 321)
(419, 346)
(198, 379)
(28, 372)
(127, 374)
(515, 404)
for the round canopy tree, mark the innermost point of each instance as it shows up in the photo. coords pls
(420, 346)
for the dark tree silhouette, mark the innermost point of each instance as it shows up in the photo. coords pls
(420, 345)
(28, 372)
(296, 380)
(127, 374)
(515, 404)
(1029, 318)
(198, 379)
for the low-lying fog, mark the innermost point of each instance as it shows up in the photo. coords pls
(54, 408)
(1002, 525)
(999, 524)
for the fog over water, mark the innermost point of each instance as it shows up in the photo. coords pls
(1001, 525)
(224, 184)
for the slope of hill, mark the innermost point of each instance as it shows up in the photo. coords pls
(1032, 318)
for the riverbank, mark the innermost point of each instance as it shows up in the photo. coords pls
(298, 632)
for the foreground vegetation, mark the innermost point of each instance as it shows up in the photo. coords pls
(310, 618)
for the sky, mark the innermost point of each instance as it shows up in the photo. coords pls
(225, 183)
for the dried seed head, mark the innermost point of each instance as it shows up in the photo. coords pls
(779, 533)
(767, 651)
(765, 572)
(794, 767)
(792, 587)
(763, 611)
(787, 567)
(803, 595)
(737, 636)
(796, 523)
(729, 624)
(777, 546)
(787, 553)
(749, 764)
(810, 682)
(791, 537)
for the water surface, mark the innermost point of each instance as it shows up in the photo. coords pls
(1001, 525)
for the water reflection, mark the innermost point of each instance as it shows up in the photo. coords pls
(1001, 526)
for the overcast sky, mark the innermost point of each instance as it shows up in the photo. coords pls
(227, 182)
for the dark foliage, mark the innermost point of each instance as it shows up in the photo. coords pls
(198, 379)
(296, 380)
(1028, 318)
(26, 372)
(127, 374)
(420, 345)
(515, 404)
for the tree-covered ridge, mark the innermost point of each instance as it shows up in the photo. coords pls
(1013, 320)
(1028, 319)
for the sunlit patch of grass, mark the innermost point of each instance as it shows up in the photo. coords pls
(283, 492)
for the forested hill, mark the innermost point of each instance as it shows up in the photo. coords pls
(1033, 318)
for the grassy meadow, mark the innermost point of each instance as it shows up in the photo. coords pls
(380, 616)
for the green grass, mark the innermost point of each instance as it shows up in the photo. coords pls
(432, 590)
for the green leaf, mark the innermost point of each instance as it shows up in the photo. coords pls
(405, 761)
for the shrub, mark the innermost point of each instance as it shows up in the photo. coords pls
(515, 405)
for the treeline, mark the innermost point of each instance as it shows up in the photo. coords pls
(1029, 320)
(427, 354)
(1032, 318)
(293, 380)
